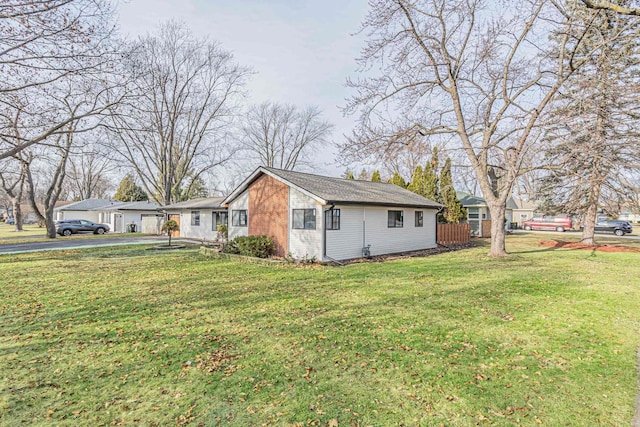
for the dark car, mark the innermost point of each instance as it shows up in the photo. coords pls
(73, 226)
(615, 226)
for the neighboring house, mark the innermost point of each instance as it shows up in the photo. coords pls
(198, 218)
(523, 211)
(629, 214)
(478, 213)
(312, 216)
(118, 215)
(121, 216)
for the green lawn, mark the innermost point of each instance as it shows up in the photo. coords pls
(33, 233)
(9, 232)
(124, 336)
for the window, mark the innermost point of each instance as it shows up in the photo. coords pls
(304, 219)
(332, 219)
(395, 219)
(219, 218)
(419, 218)
(239, 218)
(473, 213)
(195, 218)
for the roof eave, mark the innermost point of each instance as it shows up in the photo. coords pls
(385, 204)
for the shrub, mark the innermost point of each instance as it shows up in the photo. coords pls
(223, 232)
(255, 246)
(169, 227)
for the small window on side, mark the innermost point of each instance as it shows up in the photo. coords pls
(239, 218)
(195, 218)
(395, 219)
(332, 219)
(304, 219)
(419, 218)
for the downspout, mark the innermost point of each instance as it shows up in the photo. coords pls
(324, 230)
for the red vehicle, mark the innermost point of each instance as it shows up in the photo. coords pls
(549, 223)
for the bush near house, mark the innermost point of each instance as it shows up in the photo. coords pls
(255, 246)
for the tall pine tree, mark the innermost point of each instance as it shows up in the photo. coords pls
(454, 212)
(129, 191)
(595, 122)
(397, 180)
(375, 176)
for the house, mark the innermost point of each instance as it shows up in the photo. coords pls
(121, 216)
(629, 210)
(118, 215)
(523, 211)
(198, 218)
(478, 214)
(312, 216)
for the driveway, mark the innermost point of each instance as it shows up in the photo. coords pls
(63, 244)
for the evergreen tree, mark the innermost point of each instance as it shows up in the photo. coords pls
(363, 175)
(418, 182)
(431, 190)
(129, 191)
(594, 123)
(348, 174)
(397, 180)
(454, 212)
(375, 176)
(196, 189)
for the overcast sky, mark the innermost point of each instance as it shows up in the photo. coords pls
(302, 51)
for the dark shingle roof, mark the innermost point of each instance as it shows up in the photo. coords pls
(349, 191)
(108, 204)
(137, 206)
(204, 203)
(89, 205)
(470, 200)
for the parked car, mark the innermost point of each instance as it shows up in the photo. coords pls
(615, 226)
(73, 226)
(10, 221)
(549, 223)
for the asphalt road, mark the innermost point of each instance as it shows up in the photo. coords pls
(62, 244)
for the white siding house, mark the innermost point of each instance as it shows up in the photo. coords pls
(238, 216)
(117, 215)
(198, 218)
(305, 243)
(332, 218)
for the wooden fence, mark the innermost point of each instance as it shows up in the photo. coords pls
(453, 234)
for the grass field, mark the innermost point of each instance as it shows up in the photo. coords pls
(29, 231)
(124, 336)
(33, 233)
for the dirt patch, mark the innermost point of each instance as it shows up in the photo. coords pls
(578, 245)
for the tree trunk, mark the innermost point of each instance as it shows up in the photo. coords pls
(497, 211)
(51, 226)
(17, 213)
(591, 215)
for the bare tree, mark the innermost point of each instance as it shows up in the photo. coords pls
(12, 183)
(42, 44)
(614, 7)
(88, 170)
(54, 163)
(455, 68)
(283, 136)
(176, 127)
